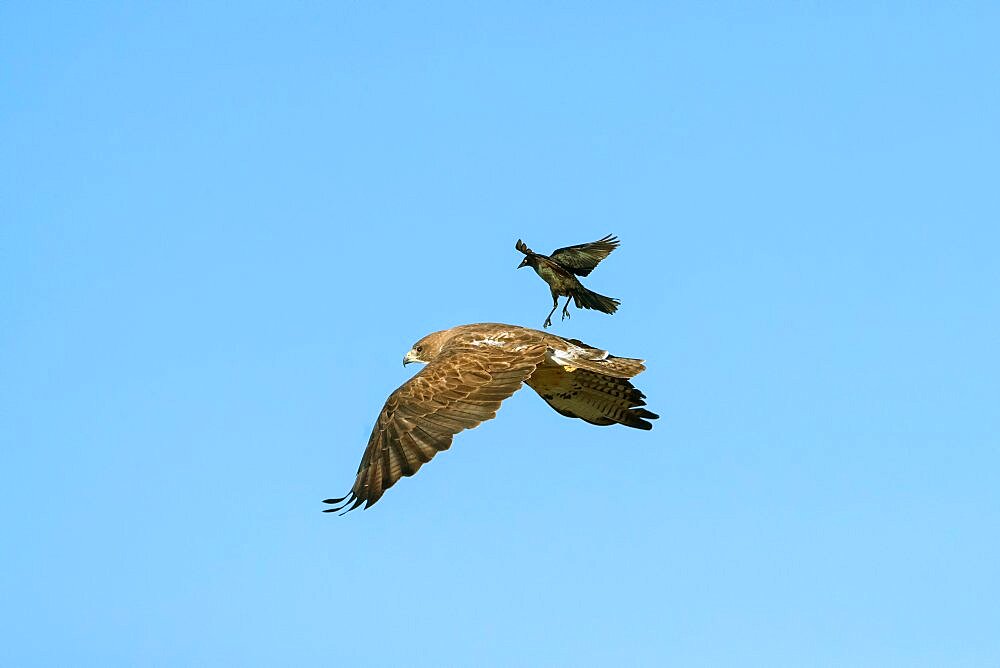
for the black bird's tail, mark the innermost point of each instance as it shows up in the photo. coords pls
(584, 298)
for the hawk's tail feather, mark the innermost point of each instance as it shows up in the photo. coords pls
(601, 361)
(623, 366)
(617, 367)
(584, 298)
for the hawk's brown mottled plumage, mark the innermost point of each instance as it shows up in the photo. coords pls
(470, 370)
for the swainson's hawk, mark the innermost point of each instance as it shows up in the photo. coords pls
(470, 370)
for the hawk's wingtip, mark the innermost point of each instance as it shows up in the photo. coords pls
(343, 502)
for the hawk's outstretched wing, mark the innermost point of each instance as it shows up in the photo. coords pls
(594, 397)
(458, 390)
(582, 258)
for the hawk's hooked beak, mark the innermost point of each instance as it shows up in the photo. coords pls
(410, 357)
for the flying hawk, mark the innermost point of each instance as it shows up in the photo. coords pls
(558, 271)
(470, 370)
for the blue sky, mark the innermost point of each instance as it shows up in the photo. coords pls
(221, 228)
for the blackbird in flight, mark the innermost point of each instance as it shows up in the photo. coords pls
(561, 268)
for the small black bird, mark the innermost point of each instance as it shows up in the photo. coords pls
(557, 270)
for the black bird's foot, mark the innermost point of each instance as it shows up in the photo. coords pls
(547, 323)
(565, 314)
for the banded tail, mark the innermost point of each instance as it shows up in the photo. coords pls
(592, 397)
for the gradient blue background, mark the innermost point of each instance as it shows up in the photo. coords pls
(223, 225)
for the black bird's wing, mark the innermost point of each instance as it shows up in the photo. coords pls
(582, 258)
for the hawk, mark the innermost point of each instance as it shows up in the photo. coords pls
(558, 271)
(470, 370)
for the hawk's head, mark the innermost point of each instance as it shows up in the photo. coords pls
(427, 348)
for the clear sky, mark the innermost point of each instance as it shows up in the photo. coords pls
(222, 226)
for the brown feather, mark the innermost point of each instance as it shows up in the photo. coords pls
(595, 398)
(470, 374)
(449, 395)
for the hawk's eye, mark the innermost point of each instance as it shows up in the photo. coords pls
(420, 349)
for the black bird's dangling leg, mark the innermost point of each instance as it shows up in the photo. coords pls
(555, 305)
(565, 313)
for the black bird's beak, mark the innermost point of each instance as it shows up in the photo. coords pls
(524, 263)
